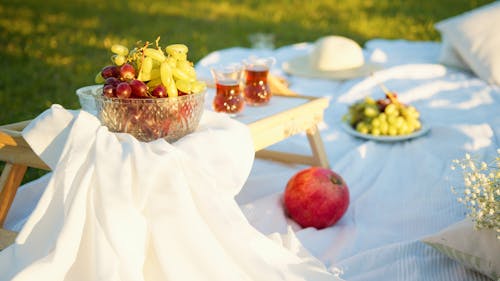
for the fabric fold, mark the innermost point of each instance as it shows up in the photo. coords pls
(118, 209)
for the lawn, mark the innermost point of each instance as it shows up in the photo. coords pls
(50, 48)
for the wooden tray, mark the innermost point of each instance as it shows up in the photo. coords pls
(287, 116)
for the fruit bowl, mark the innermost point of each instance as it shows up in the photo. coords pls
(148, 119)
(150, 92)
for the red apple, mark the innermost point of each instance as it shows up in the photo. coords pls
(316, 197)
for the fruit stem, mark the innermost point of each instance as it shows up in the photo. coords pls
(158, 43)
(389, 94)
(335, 180)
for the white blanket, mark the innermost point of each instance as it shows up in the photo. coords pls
(117, 209)
(400, 192)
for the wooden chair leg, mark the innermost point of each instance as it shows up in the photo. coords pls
(318, 149)
(11, 178)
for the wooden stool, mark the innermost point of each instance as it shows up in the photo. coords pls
(18, 156)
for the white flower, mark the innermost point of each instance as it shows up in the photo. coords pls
(481, 192)
(484, 166)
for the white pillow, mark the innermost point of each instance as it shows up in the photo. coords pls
(475, 37)
(449, 56)
(475, 249)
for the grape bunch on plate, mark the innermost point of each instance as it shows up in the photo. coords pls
(148, 71)
(383, 117)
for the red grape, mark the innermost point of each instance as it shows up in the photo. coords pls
(113, 81)
(139, 89)
(110, 71)
(127, 72)
(108, 91)
(123, 90)
(159, 92)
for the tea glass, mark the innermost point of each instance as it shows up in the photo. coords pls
(256, 90)
(228, 96)
(262, 41)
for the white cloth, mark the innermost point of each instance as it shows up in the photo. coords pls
(115, 208)
(400, 192)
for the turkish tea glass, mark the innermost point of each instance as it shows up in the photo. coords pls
(228, 96)
(256, 90)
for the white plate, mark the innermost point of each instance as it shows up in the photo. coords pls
(423, 130)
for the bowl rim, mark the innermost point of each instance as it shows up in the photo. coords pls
(89, 90)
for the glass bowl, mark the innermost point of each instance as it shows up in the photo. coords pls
(86, 97)
(151, 118)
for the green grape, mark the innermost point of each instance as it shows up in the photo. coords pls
(403, 111)
(411, 109)
(418, 125)
(119, 49)
(173, 49)
(370, 100)
(177, 51)
(403, 129)
(375, 122)
(98, 78)
(184, 86)
(362, 127)
(187, 67)
(399, 122)
(411, 126)
(198, 86)
(154, 54)
(391, 109)
(145, 70)
(391, 119)
(119, 59)
(171, 61)
(167, 79)
(370, 111)
(413, 112)
(392, 131)
(382, 116)
(365, 117)
(172, 89)
(154, 82)
(180, 75)
(396, 118)
(384, 128)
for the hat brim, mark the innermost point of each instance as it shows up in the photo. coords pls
(300, 66)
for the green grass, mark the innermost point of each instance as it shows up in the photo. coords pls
(50, 48)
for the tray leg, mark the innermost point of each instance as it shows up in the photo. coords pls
(318, 149)
(11, 178)
(318, 157)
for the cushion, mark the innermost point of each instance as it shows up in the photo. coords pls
(474, 37)
(449, 56)
(476, 249)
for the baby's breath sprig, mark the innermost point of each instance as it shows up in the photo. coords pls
(480, 192)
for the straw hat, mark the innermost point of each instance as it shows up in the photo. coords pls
(333, 57)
